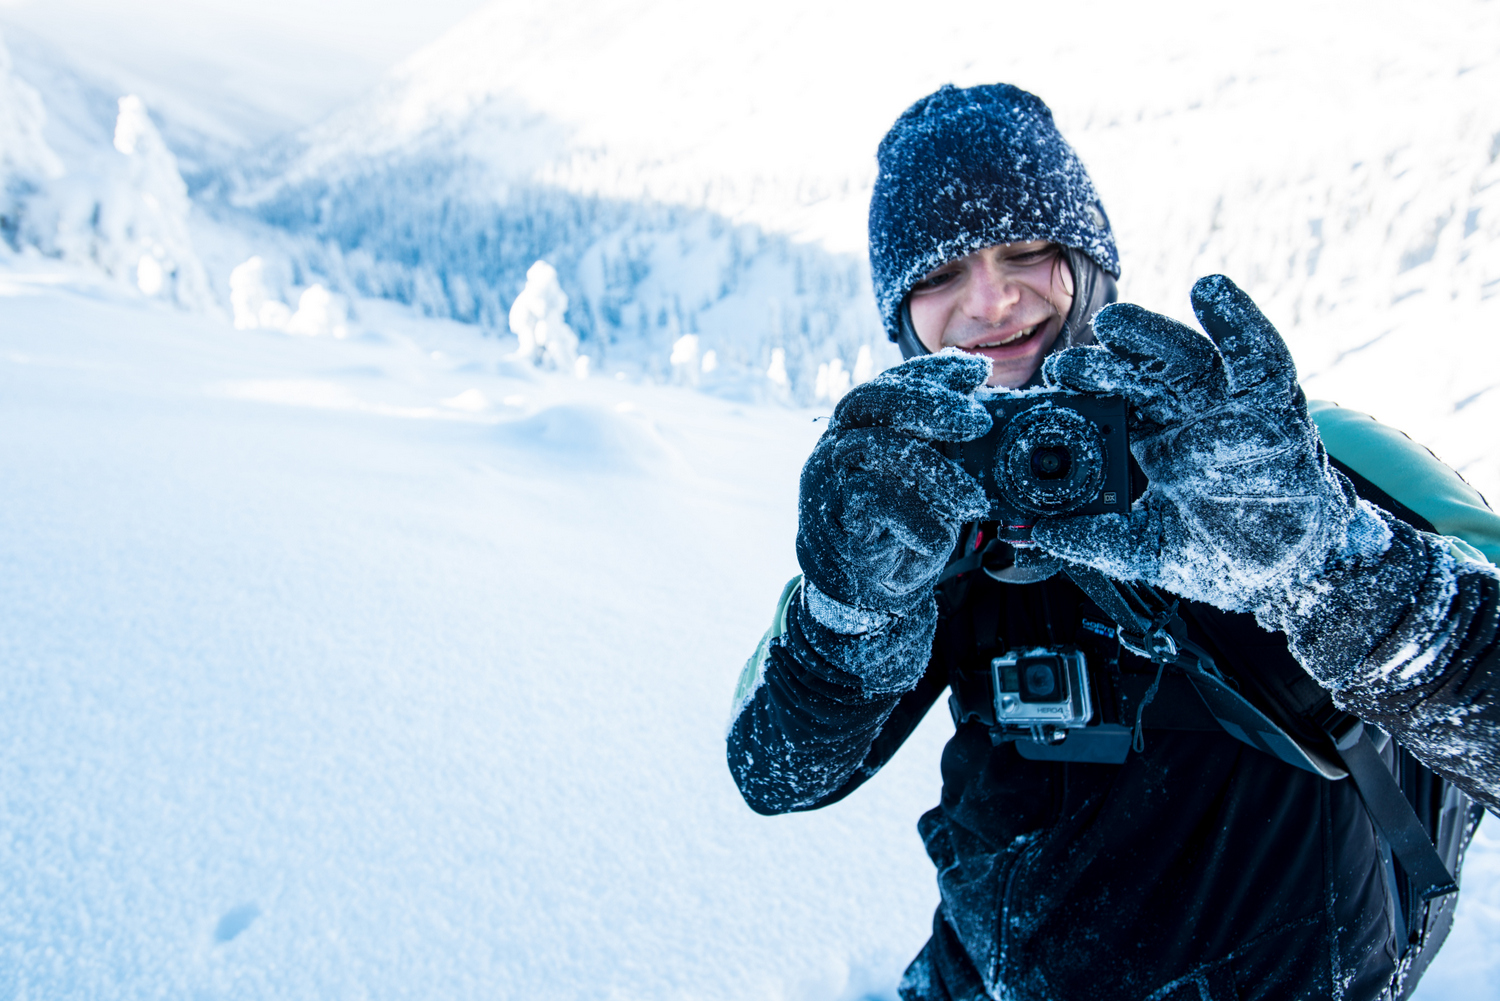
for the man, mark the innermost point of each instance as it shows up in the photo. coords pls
(1187, 863)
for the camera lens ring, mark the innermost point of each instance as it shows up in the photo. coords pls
(1044, 428)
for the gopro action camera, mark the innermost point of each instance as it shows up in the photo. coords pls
(1042, 691)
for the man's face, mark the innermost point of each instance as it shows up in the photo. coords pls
(1006, 302)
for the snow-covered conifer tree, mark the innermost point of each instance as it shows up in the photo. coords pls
(538, 319)
(25, 158)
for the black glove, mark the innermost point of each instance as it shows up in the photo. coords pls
(1244, 511)
(880, 507)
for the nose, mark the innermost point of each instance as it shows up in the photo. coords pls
(990, 294)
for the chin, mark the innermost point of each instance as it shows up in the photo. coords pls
(1012, 376)
(1015, 372)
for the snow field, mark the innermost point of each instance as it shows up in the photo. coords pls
(317, 687)
(320, 683)
(390, 667)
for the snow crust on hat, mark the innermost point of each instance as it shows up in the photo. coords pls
(965, 169)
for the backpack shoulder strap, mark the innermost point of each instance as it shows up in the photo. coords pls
(1153, 628)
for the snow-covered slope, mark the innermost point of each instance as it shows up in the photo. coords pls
(27, 162)
(386, 667)
(223, 75)
(708, 176)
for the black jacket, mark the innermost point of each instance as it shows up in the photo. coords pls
(1200, 868)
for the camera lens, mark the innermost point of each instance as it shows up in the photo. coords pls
(1051, 463)
(1040, 681)
(1050, 460)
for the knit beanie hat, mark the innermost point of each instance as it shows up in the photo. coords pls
(965, 169)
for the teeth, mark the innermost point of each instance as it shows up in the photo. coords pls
(1018, 335)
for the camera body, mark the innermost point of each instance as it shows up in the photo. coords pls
(1049, 452)
(1042, 688)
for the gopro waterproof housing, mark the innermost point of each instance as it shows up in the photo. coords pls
(1042, 691)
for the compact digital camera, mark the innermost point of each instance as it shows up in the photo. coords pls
(1048, 453)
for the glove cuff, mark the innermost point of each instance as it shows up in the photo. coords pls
(1372, 618)
(883, 661)
(839, 617)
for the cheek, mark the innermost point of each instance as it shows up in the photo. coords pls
(1047, 340)
(1052, 284)
(929, 317)
(1062, 291)
(1062, 284)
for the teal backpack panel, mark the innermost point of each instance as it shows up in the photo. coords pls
(1412, 475)
(750, 674)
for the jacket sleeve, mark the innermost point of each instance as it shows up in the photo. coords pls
(1431, 678)
(805, 731)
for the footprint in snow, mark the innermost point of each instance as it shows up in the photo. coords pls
(236, 920)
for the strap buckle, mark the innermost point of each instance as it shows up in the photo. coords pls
(1158, 640)
(1156, 645)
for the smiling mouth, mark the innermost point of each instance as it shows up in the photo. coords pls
(1015, 338)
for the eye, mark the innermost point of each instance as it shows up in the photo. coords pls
(1037, 256)
(935, 280)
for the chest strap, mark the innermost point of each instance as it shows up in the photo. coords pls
(1147, 625)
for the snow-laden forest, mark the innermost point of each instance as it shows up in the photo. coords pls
(373, 594)
(707, 177)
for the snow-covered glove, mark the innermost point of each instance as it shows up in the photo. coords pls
(1243, 511)
(880, 506)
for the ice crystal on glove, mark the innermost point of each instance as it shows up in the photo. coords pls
(1243, 509)
(839, 617)
(880, 506)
